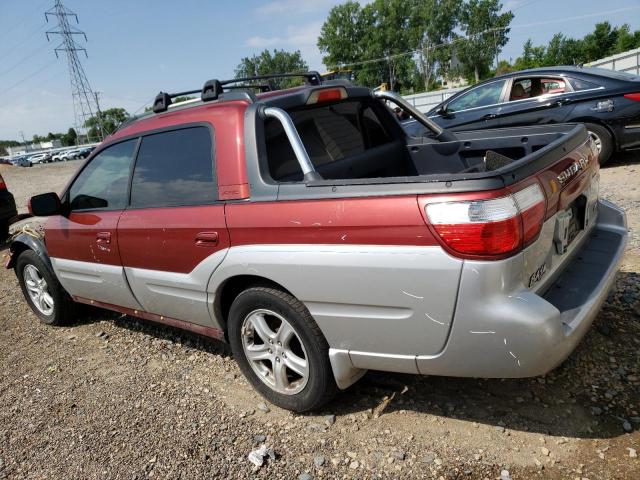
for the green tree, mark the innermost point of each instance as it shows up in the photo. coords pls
(70, 138)
(486, 32)
(431, 28)
(280, 61)
(532, 56)
(341, 35)
(110, 120)
(376, 38)
(627, 40)
(601, 42)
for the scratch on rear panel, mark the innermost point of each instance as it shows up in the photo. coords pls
(343, 237)
(434, 320)
(316, 224)
(295, 222)
(488, 332)
(412, 295)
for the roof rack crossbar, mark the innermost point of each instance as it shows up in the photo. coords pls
(213, 88)
(312, 78)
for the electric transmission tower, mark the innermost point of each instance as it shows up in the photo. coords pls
(84, 100)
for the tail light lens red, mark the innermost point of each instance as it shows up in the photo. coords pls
(633, 96)
(2, 184)
(492, 227)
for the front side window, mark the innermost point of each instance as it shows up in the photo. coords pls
(175, 168)
(104, 182)
(482, 96)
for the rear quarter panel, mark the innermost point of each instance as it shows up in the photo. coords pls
(367, 269)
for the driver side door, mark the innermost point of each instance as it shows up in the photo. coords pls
(83, 243)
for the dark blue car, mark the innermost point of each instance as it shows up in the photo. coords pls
(607, 102)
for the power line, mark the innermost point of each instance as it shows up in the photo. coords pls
(24, 59)
(28, 77)
(23, 19)
(17, 45)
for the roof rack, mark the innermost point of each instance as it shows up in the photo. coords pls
(212, 89)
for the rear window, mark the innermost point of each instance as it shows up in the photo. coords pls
(329, 133)
(174, 168)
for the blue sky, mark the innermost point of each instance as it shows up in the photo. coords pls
(137, 48)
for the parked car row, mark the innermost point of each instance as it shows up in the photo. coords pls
(48, 157)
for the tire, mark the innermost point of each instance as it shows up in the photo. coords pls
(63, 309)
(303, 346)
(603, 138)
(4, 230)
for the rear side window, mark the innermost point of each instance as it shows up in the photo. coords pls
(579, 84)
(174, 168)
(329, 133)
(104, 182)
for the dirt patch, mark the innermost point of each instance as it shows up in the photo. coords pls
(115, 397)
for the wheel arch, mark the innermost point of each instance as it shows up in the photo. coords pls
(22, 242)
(232, 287)
(599, 122)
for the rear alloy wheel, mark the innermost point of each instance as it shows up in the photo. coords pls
(280, 349)
(602, 141)
(276, 355)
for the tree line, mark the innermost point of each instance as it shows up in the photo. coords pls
(412, 45)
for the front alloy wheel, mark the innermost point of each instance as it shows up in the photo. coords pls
(38, 290)
(42, 290)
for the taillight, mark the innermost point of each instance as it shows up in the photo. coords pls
(2, 184)
(492, 227)
(327, 95)
(633, 96)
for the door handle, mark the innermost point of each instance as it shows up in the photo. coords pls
(207, 239)
(489, 116)
(103, 237)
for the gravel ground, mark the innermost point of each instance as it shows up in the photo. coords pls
(115, 397)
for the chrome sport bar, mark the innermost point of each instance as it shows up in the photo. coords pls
(411, 110)
(308, 170)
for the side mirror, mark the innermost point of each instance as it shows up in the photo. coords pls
(45, 205)
(443, 110)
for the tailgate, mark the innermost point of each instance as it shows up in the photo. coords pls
(571, 187)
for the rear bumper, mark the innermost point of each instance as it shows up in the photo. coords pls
(509, 333)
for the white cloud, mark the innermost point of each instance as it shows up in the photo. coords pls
(298, 37)
(294, 6)
(303, 38)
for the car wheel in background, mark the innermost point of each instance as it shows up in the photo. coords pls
(602, 139)
(4, 230)
(280, 349)
(44, 294)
